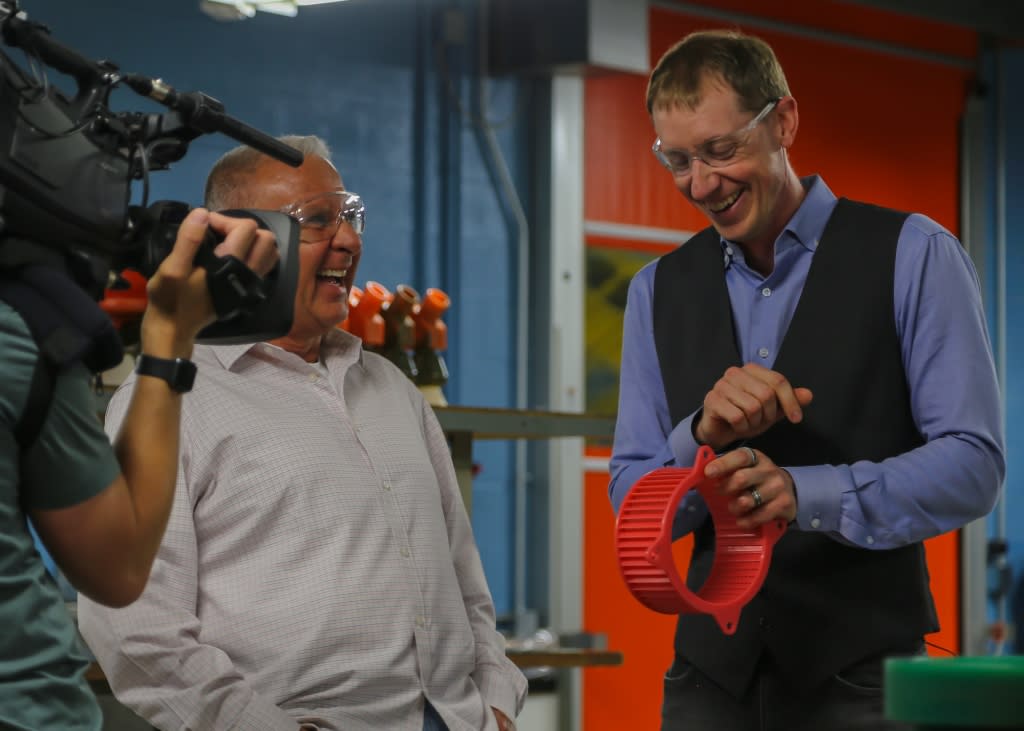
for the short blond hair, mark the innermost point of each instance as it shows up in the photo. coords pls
(745, 63)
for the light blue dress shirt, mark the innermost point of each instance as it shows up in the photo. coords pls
(950, 480)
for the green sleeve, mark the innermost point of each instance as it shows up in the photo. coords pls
(71, 460)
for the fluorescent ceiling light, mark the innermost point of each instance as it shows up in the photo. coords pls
(240, 9)
(288, 9)
(227, 9)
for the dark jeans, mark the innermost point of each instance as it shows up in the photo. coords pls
(431, 720)
(849, 701)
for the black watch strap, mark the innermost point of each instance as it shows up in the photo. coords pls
(179, 373)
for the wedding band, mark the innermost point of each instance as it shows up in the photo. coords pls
(753, 457)
(756, 496)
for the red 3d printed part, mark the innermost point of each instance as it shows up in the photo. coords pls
(128, 303)
(643, 542)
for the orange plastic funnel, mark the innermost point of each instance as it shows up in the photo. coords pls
(430, 329)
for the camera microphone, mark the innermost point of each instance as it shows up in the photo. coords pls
(206, 114)
(67, 162)
(157, 90)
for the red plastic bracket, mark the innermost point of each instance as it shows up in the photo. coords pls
(643, 542)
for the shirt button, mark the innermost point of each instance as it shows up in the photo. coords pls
(313, 377)
(763, 352)
(421, 622)
(404, 552)
(870, 540)
(815, 522)
(767, 291)
(728, 250)
(387, 486)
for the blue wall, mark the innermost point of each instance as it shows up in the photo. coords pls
(1002, 70)
(373, 78)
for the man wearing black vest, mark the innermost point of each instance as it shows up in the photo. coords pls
(835, 355)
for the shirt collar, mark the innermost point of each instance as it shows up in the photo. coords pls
(807, 224)
(335, 342)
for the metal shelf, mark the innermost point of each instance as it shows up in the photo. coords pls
(563, 658)
(488, 423)
(465, 424)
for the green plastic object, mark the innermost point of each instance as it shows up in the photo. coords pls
(951, 693)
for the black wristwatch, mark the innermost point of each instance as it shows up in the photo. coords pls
(179, 373)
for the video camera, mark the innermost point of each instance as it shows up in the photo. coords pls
(67, 166)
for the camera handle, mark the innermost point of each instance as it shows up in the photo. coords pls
(234, 288)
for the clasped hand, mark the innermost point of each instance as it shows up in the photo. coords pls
(759, 490)
(744, 403)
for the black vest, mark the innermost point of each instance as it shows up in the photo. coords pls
(824, 604)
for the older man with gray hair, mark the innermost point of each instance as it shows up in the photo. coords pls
(319, 569)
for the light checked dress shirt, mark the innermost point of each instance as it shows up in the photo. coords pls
(318, 567)
(951, 479)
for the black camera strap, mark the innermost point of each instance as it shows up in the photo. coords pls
(44, 375)
(67, 326)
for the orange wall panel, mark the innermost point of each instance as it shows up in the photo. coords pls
(627, 696)
(624, 182)
(831, 16)
(943, 555)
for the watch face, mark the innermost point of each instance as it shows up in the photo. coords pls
(179, 373)
(186, 375)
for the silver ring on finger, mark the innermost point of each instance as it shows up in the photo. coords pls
(756, 496)
(753, 456)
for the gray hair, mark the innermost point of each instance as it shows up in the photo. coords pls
(228, 176)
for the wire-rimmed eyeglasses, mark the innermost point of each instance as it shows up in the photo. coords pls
(716, 152)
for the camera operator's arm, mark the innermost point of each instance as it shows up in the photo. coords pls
(106, 544)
